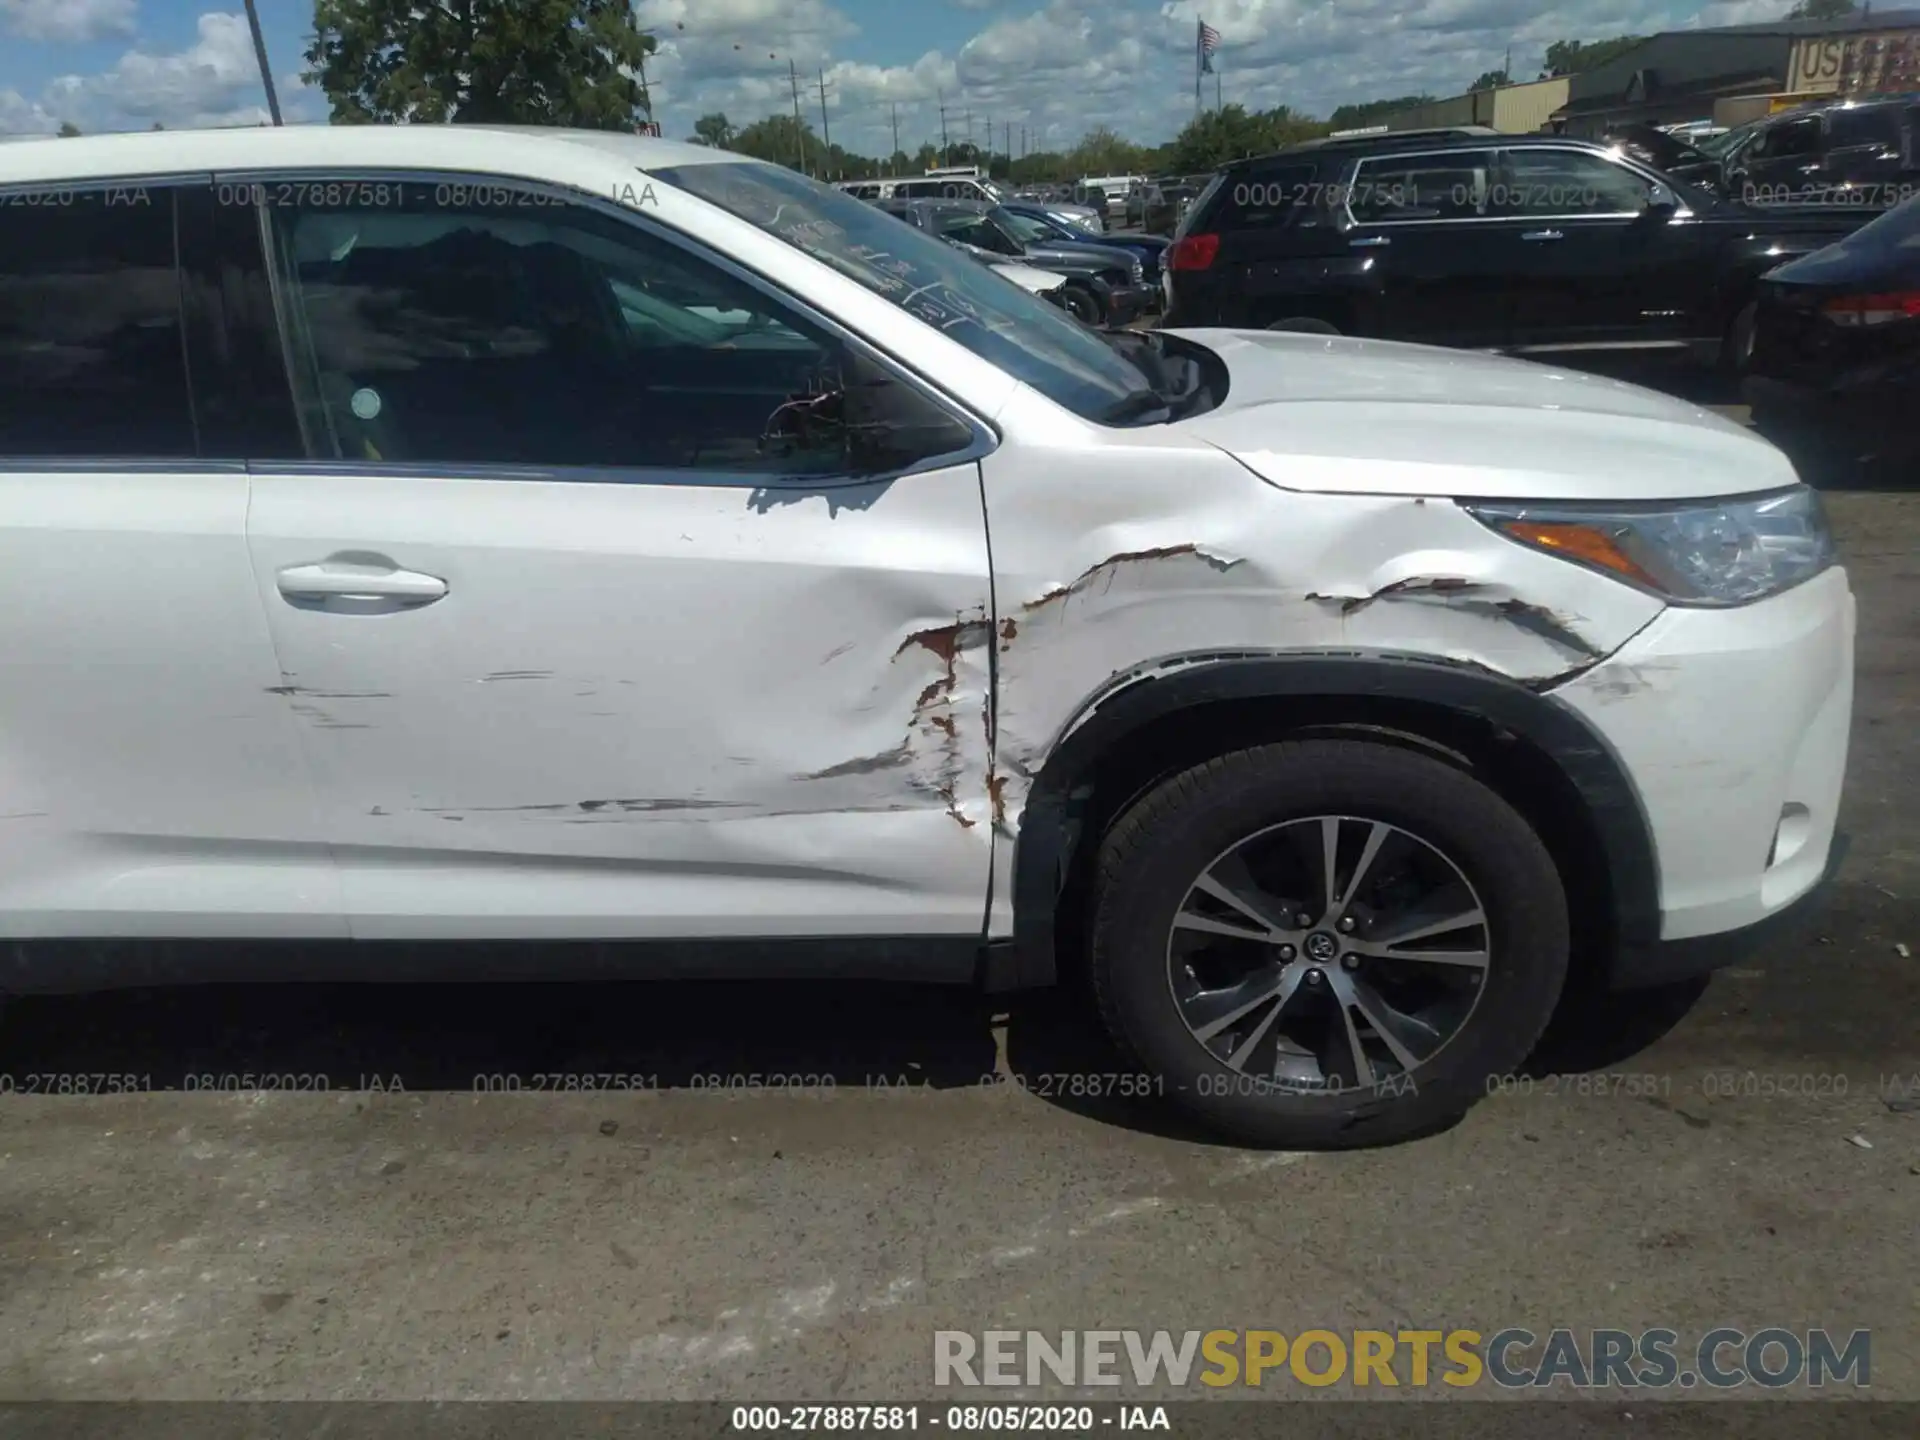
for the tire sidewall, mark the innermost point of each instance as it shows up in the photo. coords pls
(1082, 304)
(1192, 826)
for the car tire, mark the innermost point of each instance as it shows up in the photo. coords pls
(1306, 324)
(1082, 304)
(1263, 807)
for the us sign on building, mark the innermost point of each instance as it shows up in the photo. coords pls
(1886, 61)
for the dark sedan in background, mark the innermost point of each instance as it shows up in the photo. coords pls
(1834, 367)
(1104, 286)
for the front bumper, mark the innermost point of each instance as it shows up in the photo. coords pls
(1129, 302)
(1733, 727)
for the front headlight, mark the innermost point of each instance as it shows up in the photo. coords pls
(1716, 552)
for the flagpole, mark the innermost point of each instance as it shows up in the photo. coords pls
(1198, 61)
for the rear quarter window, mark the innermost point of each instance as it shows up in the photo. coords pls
(1261, 197)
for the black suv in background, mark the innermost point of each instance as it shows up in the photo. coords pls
(1862, 152)
(1508, 242)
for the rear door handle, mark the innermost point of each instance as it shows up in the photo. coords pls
(1543, 235)
(1371, 242)
(359, 586)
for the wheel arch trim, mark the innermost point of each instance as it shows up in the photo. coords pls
(1049, 827)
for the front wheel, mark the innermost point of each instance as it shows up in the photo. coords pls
(1082, 304)
(1320, 944)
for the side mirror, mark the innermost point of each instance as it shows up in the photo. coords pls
(1661, 203)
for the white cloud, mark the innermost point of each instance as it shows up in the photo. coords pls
(214, 81)
(70, 20)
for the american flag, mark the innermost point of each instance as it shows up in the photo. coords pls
(1209, 43)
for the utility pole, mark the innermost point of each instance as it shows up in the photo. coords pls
(896, 136)
(799, 126)
(969, 114)
(826, 132)
(260, 54)
(944, 156)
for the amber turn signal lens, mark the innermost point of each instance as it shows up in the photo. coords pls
(1580, 542)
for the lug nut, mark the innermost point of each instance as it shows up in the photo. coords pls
(1287, 952)
(1303, 920)
(1346, 924)
(1350, 962)
(1313, 977)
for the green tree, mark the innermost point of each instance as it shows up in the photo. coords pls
(1822, 10)
(1217, 136)
(1102, 151)
(527, 62)
(1352, 117)
(775, 139)
(1490, 80)
(68, 129)
(1571, 57)
(715, 130)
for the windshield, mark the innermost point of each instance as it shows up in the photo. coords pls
(1715, 146)
(1027, 337)
(1026, 227)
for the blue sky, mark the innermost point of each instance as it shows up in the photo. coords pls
(1055, 67)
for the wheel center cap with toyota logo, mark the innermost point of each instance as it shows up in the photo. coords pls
(1322, 947)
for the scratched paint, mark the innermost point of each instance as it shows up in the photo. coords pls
(1111, 582)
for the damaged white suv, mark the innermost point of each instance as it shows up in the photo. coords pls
(436, 532)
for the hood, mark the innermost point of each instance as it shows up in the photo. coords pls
(1090, 256)
(1658, 148)
(1373, 417)
(1040, 282)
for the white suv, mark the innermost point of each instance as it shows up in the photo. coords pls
(437, 532)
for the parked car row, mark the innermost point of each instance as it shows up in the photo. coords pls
(1850, 152)
(1105, 284)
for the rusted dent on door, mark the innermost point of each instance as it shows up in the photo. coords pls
(1108, 567)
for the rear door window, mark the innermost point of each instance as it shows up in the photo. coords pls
(92, 357)
(1869, 125)
(1262, 197)
(1401, 189)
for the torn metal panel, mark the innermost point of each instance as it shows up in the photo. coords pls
(654, 709)
(1144, 568)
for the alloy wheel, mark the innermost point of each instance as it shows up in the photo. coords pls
(1327, 954)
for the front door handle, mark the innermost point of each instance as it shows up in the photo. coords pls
(359, 586)
(1371, 242)
(1543, 235)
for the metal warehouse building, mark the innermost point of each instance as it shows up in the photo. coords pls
(1740, 72)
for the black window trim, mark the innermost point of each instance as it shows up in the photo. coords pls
(1352, 181)
(985, 436)
(197, 464)
(1496, 151)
